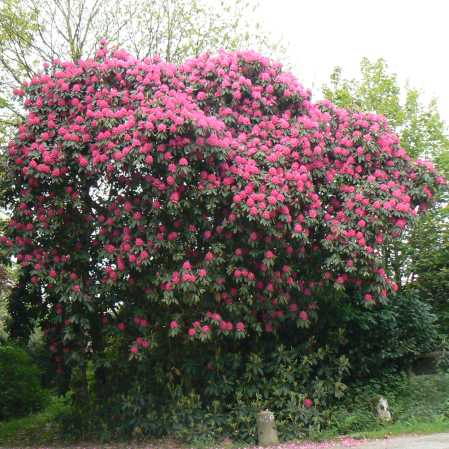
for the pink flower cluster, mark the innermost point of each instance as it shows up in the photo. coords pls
(216, 183)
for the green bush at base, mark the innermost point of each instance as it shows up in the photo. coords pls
(20, 389)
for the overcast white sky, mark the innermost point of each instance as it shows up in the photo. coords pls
(412, 36)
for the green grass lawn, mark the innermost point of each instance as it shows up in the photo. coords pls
(36, 430)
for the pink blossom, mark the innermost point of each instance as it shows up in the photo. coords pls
(269, 255)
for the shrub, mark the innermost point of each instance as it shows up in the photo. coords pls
(20, 389)
(383, 340)
(167, 219)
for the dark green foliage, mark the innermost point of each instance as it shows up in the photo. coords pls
(386, 338)
(20, 389)
(236, 384)
(239, 378)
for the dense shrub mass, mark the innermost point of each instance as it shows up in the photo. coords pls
(176, 226)
(385, 339)
(20, 389)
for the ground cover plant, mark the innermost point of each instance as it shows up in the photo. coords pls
(180, 231)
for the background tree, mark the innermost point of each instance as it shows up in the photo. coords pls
(419, 126)
(6, 274)
(33, 32)
(3, 317)
(9, 120)
(428, 269)
(423, 134)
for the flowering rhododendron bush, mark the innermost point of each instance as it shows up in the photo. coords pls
(192, 212)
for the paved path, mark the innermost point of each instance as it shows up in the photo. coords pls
(433, 441)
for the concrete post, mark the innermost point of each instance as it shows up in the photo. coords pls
(266, 428)
(379, 406)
